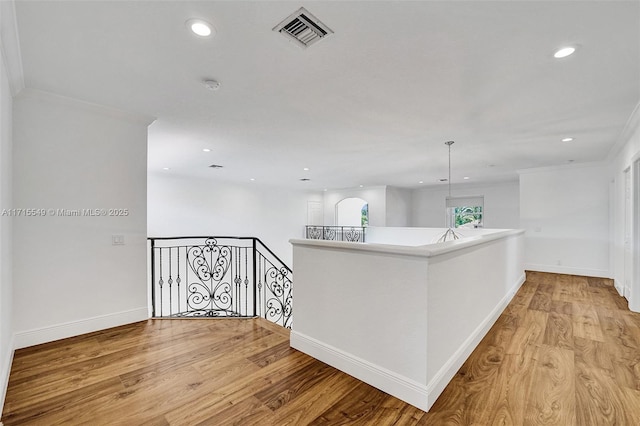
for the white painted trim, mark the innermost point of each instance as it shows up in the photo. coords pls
(561, 167)
(10, 46)
(554, 269)
(442, 378)
(37, 336)
(5, 370)
(429, 250)
(50, 97)
(399, 386)
(410, 391)
(629, 128)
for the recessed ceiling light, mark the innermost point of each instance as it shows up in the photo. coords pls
(206, 150)
(212, 85)
(421, 181)
(567, 139)
(564, 52)
(466, 178)
(361, 186)
(252, 179)
(166, 168)
(306, 169)
(200, 28)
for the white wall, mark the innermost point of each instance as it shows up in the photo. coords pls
(398, 203)
(69, 278)
(182, 207)
(622, 157)
(375, 196)
(403, 319)
(565, 211)
(349, 212)
(501, 204)
(6, 283)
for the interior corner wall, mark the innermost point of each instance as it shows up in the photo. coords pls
(180, 206)
(565, 212)
(376, 197)
(398, 205)
(82, 168)
(6, 281)
(501, 204)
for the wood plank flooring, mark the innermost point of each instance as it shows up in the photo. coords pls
(566, 351)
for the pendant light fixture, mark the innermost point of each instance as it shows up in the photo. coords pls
(450, 234)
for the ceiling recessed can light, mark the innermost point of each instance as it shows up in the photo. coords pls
(200, 28)
(421, 181)
(563, 52)
(466, 178)
(206, 150)
(211, 84)
(166, 168)
(361, 186)
(567, 139)
(306, 169)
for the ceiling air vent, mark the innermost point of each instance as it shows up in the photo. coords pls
(302, 27)
(216, 166)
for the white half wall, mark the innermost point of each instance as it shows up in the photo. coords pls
(565, 212)
(501, 204)
(69, 278)
(403, 319)
(196, 207)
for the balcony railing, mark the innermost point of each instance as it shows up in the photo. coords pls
(335, 233)
(219, 277)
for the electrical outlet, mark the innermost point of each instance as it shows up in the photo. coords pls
(116, 240)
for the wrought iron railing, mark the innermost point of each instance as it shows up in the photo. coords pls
(219, 277)
(335, 233)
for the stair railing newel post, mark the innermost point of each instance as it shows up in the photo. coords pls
(153, 277)
(255, 276)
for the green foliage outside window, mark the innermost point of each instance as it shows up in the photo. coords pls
(468, 215)
(364, 215)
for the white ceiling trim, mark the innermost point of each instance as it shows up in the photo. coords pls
(629, 129)
(86, 106)
(10, 46)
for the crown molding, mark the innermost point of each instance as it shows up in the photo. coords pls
(10, 46)
(42, 96)
(633, 124)
(561, 167)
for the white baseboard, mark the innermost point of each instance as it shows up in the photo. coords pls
(392, 383)
(569, 270)
(27, 338)
(442, 378)
(417, 394)
(5, 369)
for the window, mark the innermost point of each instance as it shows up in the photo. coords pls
(364, 215)
(465, 212)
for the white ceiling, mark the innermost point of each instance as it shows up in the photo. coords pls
(371, 104)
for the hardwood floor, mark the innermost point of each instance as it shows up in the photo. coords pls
(566, 351)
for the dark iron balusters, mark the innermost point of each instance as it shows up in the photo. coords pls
(354, 234)
(219, 277)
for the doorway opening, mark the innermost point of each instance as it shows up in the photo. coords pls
(352, 212)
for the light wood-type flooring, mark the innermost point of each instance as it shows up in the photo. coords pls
(566, 351)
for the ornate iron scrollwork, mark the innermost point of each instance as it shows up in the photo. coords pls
(220, 277)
